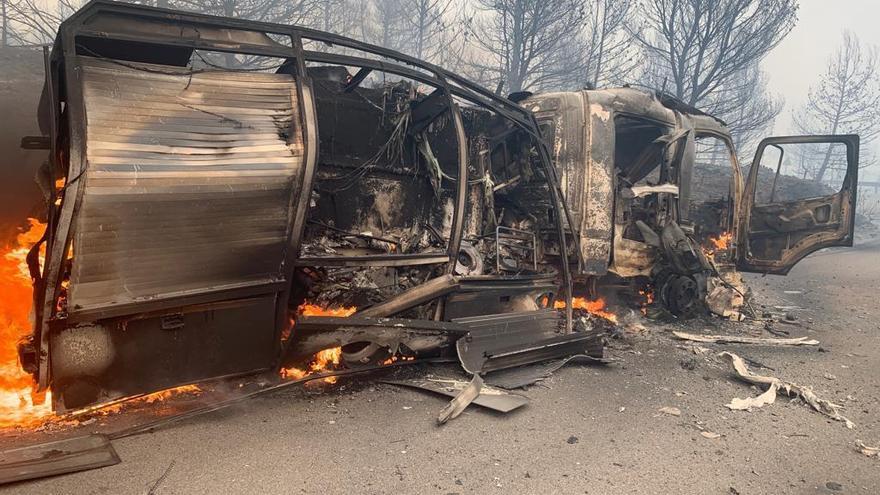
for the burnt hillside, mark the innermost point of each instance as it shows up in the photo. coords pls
(713, 181)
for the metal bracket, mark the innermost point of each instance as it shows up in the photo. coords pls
(516, 239)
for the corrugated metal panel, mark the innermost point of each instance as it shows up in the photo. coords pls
(188, 182)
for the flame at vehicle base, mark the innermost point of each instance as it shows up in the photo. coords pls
(595, 307)
(20, 405)
(326, 360)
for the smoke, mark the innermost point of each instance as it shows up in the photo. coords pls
(21, 82)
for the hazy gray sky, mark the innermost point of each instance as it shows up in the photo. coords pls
(799, 60)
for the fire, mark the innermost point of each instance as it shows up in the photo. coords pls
(307, 309)
(595, 307)
(718, 243)
(118, 405)
(327, 359)
(19, 404)
(648, 294)
(171, 392)
(722, 241)
(397, 357)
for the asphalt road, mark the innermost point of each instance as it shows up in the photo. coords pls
(587, 430)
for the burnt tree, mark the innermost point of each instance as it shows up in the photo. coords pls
(706, 52)
(521, 41)
(611, 57)
(846, 99)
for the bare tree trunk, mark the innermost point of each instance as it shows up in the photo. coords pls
(845, 100)
(523, 44)
(514, 81)
(822, 168)
(702, 47)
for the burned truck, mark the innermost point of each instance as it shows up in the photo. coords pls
(228, 197)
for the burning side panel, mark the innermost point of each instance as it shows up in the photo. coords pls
(187, 195)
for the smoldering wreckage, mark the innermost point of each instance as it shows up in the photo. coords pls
(336, 200)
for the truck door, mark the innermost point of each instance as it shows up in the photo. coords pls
(800, 197)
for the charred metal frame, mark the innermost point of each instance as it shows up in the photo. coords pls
(65, 64)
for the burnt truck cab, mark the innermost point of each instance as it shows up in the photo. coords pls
(627, 160)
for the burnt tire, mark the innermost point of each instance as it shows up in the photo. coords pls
(681, 296)
(359, 354)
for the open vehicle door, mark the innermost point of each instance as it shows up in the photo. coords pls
(784, 219)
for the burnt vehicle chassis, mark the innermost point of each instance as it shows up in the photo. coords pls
(219, 178)
(627, 160)
(201, 205)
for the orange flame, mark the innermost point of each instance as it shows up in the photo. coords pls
(117, 406)
(397, 357)
(596, 307)
(719, 243)
(165, 394)
(19, 405)
(648, 293)
(307, 309)
(327, 359)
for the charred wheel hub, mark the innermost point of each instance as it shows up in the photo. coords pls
(680, 294)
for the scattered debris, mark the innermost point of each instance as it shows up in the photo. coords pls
(523, 376)
(161, 479)
(466, 395)
(672, 411)
(486, 396)
(789, 322)
(768, 326)
(768, 397)
(775, 386)
(736, 339)
(501, 341)
(700, 350)
(689, 363)
(834, 486)
(724, 295)
(866, 450)
(58, 457)
(710, 435)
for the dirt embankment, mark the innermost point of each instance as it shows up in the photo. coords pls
(21, 82)
(713, 181)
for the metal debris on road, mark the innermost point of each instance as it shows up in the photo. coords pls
(523, 376)
(736, 339)
(466, 394)
(776, 385)
(672, 411)
(866, 450)
(486, 396)
(59, 457)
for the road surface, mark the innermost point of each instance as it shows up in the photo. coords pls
(587, 430)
